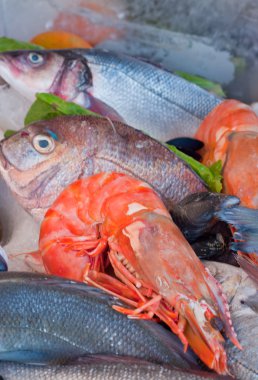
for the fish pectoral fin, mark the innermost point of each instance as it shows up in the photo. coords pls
(98, 106)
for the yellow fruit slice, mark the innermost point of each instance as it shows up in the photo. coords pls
(58, 39)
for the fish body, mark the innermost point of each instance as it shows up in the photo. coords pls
(50, 320)
(81, 146)
(100, 369)
(121, 87)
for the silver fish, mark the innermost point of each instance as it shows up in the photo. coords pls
(142, 95)
(242, 295)
(51, 320)
(112, 368)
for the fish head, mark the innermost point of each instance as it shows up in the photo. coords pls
(64, 73)
(39, 161)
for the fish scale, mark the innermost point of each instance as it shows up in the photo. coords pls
(44, 319)
(157, 102)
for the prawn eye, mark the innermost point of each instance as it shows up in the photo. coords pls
(35, 59)
(43, 144)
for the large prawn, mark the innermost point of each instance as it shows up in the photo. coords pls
(117, 219)
(230, 134)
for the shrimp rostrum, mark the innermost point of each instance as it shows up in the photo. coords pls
(111, 218)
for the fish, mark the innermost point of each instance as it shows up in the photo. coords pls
(106, 368)
(79, 146)
(120, 87)
(49, 320)
(115, 218)
(242, 295)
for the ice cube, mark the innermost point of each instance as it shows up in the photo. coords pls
(19, 231)
(13, 108)
(24, 19)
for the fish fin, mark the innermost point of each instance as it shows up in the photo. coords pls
(196, 214)
(103, 109)
(249, 266)
(245, 222)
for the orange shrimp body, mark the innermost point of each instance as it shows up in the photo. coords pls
(111, 217)
(230, 134)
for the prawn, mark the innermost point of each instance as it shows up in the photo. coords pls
(117, 219)
(230, 134)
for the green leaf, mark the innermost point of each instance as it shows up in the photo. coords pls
(208, 85)
(9, 133)
(8, 44)
(210, 175)
(48, 106)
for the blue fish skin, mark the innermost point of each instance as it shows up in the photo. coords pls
(51, 320)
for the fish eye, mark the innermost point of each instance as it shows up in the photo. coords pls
(35, 58)
(43, 144)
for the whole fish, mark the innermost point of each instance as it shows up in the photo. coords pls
(51, 320)
(242, 296)
(101, 369)
(40, 160)
(123, 88)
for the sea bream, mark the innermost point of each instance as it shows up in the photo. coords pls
(144, 96)
(39, 161)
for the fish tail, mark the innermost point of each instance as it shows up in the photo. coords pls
(244, 220)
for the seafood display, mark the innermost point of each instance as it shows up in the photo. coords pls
(144, 96)
(52, 320)
(122, 171)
